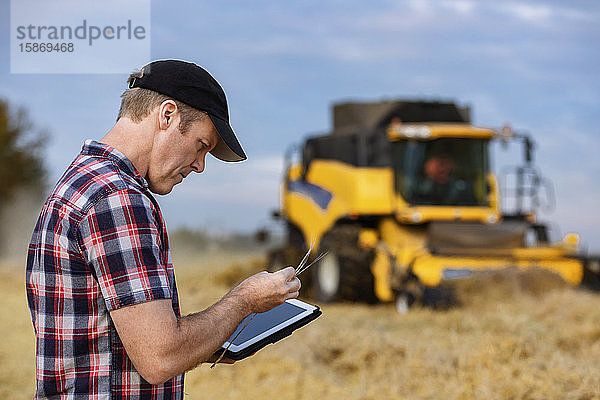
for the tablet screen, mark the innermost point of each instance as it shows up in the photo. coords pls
(268, 322)
(265, 321)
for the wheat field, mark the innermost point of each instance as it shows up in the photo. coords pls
(513, 336)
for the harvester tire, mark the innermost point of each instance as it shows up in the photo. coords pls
(345, 272)
(591, 274)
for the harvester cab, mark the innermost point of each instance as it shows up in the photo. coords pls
(402, 196)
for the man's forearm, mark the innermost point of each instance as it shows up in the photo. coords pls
(203, 333)
(161, 347)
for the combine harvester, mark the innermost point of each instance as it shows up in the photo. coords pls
(402, 197)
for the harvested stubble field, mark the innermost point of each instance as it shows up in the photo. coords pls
(515, 336)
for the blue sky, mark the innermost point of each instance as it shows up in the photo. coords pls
(533, 64)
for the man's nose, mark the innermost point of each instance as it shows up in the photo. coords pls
(198, 165)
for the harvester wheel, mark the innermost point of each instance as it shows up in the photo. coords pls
(403, 303)
(440, 297)
(411, 293)
(326, 278)
(591, 274)
(345, 272)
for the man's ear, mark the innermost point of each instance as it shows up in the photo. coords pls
(166, 114)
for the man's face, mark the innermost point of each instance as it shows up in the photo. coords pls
(176, 154)
(439, 168)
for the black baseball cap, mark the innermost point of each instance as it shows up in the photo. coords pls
(194, 86)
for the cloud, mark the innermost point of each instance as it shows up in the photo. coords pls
(541, 13)
(528, 12)
(463, 7)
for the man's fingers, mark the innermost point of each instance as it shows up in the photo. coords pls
(287, 272)
(294, 285)
(272, 289)
(292, 295)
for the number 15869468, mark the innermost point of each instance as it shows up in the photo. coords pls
(46, 47)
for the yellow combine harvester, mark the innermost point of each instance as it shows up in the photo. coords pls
(402, 197)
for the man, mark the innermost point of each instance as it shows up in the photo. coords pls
(100, 282)
(439, 186)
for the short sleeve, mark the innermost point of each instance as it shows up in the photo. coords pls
(121, 243)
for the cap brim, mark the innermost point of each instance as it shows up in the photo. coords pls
(228, 148)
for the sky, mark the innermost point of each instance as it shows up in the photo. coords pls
(532, 64)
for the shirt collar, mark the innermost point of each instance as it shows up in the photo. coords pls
(94, 148)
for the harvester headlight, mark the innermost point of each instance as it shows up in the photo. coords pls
(414, 131)
(491, 218)
(416, 217)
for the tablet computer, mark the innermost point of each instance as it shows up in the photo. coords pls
(268, 327)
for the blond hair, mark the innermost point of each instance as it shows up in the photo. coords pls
(137, 103)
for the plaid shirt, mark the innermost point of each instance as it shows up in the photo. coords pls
(100, 243)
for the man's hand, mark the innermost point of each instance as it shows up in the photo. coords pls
(265, 290)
